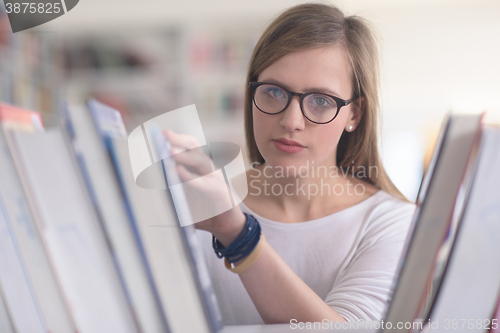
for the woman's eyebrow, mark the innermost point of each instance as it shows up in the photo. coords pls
(322, 90)
(313, 89)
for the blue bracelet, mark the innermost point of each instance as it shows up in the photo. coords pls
(243, 245)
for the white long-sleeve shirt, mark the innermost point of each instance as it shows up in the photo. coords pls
(348, 258)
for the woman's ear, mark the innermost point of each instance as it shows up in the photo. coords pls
(358, 106)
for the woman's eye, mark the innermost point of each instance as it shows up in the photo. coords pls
(274, 92)
(321, 101)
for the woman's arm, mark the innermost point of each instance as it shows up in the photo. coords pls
(278, 294)
(362, 288)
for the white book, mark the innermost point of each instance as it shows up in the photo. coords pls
(471, 283)
(178, 199)
(73, 236)
(19, 296)
(166, 249)
(435, 222)
(103, 184)
(31, 245)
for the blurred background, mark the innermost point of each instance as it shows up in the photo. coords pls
(152, 56)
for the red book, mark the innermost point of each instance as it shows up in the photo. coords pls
(15, 117)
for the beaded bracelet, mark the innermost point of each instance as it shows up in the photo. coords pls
(244, 243)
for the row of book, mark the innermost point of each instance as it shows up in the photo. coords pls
(449, 274)
(162, 69)
(84, 249)
(136, 71)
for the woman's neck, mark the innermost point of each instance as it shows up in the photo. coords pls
(304, 193)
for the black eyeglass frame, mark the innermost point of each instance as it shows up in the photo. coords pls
(340, 102)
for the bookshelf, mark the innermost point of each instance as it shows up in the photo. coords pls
(142, 72)
(214, 66)
(29, 70)
(133, 71)
(146, 72)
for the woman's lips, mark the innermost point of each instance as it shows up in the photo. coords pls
(288, 146)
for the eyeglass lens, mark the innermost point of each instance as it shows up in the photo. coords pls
(317, 107)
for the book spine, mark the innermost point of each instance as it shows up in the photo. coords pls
(14, 281)
(136, 232)
(5, 319)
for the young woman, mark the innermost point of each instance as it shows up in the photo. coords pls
(332, 223)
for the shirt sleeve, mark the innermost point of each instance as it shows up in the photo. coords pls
(361, 290)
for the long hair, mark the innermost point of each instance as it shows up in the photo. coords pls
(310, 26)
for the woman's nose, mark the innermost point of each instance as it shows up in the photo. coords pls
(292, 118)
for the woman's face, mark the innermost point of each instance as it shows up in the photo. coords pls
(325, 70)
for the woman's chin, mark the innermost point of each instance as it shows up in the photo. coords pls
(290, 167)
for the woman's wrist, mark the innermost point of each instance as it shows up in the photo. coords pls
(228, 233)
(244, 250)
(244, 264)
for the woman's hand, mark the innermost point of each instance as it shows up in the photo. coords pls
(270, 280)
(195, 166)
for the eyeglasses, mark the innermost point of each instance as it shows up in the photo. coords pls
(318, 108)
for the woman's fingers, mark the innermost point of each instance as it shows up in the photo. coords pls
(206, 189)
(207, 194)
(185, 174)
(195, 161)
(187, 151)
(212, 184)
(181, 140)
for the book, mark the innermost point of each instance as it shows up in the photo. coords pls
(178, 199)
(110, 125)
(179, 285)
(101, 181)
(440, 202)
(30, 246)
(20, 119)
(72, 233)
(471, 279)
(17, 289)
(5, 320)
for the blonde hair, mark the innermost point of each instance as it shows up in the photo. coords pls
(309, 26)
